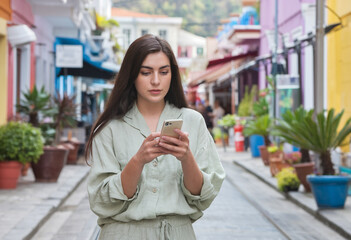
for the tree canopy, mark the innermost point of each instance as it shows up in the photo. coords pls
(201, 17)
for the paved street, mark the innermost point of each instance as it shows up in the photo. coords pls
(246, 208)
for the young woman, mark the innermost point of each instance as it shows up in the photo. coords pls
(143, 185)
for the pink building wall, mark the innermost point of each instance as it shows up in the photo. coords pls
(21, 14)
(289, 17)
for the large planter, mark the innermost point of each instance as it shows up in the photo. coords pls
(329, 191)
(302, 170)
(50, 164)
(255, 142)
(264, 154)
(9, 174)
(72, 156)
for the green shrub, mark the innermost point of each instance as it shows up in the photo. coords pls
(217, 133)
(246, 104)
(227, 121)
(288, 180)
(20, 142)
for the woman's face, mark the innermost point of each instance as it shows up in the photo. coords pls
(154, 78)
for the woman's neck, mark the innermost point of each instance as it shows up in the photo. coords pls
(151, 113)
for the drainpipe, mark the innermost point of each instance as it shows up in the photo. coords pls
(319, 58)
(274, 60)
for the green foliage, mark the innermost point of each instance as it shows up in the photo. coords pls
(35, 103)
(65, 116)
(260, 107)
(274, 148)
(320, 134)
(246, 104)
(317, 134)
(260, 126)
(200, 17)
(218, 134)
(227, 121)
(287, 180)
(289, 127)
(20, 142)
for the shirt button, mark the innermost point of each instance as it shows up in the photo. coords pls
(155, 164)
(154, 190)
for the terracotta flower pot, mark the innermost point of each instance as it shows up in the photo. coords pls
(24, 170)
(9, 174)
(302, 170)
(277, 163)
(73, 148)
(264, 154)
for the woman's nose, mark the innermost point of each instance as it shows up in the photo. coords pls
(155, 80)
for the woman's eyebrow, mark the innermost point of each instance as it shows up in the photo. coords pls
(147, 67)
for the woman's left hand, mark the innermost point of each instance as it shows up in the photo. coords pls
(178, 147)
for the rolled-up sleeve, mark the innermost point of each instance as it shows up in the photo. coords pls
(106, 195)
(207, 158)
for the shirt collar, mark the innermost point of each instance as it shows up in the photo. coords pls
(135, 119)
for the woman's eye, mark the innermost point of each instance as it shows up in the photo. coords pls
(145, 73)
(164, 72)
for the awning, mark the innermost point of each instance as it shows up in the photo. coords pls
(19, 35)
(231, 58)
(93, 67)
(211, 74)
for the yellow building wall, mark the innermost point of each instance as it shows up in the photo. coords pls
(3, 72)
(339, 59)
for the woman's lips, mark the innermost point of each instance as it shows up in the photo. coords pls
(155, 91)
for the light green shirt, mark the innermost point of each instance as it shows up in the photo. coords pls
(160, 190)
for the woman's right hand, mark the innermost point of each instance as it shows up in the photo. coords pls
(149, 149)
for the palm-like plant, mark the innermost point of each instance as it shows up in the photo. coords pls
(261, 126)
(35, 102)
(65, 115)
(287, 129)
(318, 134)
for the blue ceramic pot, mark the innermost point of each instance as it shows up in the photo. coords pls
(329, 191)
(255, 141)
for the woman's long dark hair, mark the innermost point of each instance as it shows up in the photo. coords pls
(124, 94)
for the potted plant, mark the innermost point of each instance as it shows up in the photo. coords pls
(287, 180)
(288, 128)
(224, 124)
(260, 126)
(50, 118)
(321, 134)
(276, 159)
(220, 137)
(55, 155)
(19, 143)
(65, 117)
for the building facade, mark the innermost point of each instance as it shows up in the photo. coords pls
(134, 25)
(5, 17)
(339, 57)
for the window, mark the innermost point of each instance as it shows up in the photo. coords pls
(21, 73)
(144, 32)
(200, 51)
(183, 51)
(126, 34)
(163, 34)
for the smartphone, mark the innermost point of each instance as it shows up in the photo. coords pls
(169, 126)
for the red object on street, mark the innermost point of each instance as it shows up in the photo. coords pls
(239, 138)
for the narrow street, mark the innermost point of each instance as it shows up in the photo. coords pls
(246, 208)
